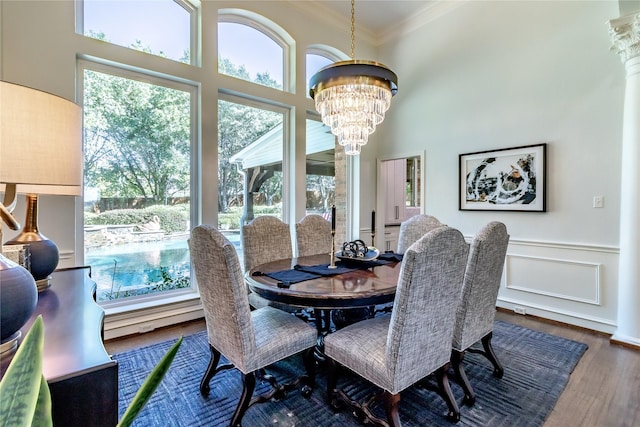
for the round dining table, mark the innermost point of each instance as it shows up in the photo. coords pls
(337, 300)
(360, 287)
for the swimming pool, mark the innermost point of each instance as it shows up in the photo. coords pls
(132, 266)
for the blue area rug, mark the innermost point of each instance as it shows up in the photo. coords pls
(536, 370)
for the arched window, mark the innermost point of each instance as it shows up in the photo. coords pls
(313, 64)
(318, 57)
(254, 49)
(167, 29)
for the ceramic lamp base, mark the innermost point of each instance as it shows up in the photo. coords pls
(18, 298)
(43, 284)
(10, 345)
(43, 252)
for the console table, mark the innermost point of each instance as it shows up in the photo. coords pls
(82, 378)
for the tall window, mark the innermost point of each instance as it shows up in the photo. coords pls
(250, 180)
(320, 167)
(137, 138)
(162, 28)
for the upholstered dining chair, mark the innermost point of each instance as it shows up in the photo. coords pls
(394, 352)
(414, 228)
(476, 312)
(313, 235)
(250, 340)
(265, 239)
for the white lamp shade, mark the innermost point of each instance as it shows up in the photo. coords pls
(40, 142)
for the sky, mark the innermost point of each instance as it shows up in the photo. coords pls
(164, 25)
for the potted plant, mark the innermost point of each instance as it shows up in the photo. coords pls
(24, 393)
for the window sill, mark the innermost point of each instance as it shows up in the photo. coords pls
(148, 315)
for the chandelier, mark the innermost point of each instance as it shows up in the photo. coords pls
(353, 96)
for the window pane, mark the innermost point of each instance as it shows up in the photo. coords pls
(249, 54)
(137, 186)
(162, 28)
(249, 166)
(314, 63)
(321, 181)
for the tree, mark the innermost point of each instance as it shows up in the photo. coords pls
(137, 138)
(324, 186)
(238, 126)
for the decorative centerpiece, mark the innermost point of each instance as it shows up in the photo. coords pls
(357, 250)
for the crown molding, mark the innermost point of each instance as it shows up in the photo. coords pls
(433, 10)
(429, 13)
(330, 17)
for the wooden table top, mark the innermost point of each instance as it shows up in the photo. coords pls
(360, 288)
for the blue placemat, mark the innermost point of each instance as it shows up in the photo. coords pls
(363, 265)
(324, 270)
(300, 273)
(390, 256)
(288, 276)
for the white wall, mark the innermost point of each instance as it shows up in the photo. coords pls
(492, 75)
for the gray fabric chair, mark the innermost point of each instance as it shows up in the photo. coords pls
(414, 228)
(250, 340)
(396, 351)
(313, 235)
(265, 239)
(476, 313)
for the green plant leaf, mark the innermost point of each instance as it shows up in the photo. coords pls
(149, 386)
(21, 383)
(42, 415)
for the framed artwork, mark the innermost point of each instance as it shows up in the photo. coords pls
(510, 179)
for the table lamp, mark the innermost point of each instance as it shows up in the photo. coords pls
(40, 153)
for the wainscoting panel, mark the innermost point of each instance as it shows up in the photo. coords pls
(571, 283)
(554, 277)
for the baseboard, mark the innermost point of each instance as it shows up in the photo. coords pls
(554, 322)
(625, 341)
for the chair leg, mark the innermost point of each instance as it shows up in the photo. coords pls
(456, 362)
(444, 389)
(249, 385)
(212, 369)
(210, 372)
(332, 381)
(498, 371)
(309, 359)
(391, 402)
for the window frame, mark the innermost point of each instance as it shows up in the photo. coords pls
(192, 7)
(171, 82)
(286, 112)
(270, 29)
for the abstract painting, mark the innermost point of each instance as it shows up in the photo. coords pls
(510, 179)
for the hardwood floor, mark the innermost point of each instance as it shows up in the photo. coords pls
(603, 390)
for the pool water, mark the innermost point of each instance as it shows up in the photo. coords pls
(132, 266)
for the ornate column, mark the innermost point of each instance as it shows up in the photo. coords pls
(625, 36)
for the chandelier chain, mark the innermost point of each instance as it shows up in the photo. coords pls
(353, 29)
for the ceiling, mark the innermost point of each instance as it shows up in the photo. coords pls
(378, 16)
(379, 21)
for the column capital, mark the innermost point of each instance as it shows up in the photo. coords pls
(625, 36)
